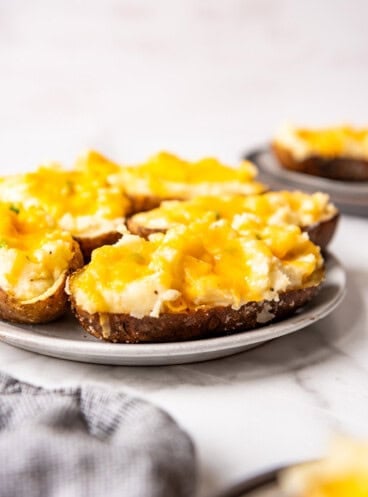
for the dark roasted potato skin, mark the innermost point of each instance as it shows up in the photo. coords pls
(322, 233)
(337, 168)
(42, 310)
(192, 324)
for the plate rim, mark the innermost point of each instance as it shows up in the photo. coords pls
(251, 484)
(298, 179)
(27, 338)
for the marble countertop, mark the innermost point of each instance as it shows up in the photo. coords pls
(208, 77)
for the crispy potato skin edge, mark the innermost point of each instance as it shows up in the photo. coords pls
(42, 310)
(138, 229)
(339, 168)
(89, 244)
(142, 203)
(320, 233)
(202, 323)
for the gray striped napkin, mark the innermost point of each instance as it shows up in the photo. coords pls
(89, 442)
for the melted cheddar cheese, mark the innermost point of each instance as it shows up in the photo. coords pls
(286, 207)
(81, 200)
(344, 473)
(167, 176)
(272, 208)
(33, 252)
(343, 141)
(204, 264)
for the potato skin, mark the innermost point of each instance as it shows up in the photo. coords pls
(46, 308)
(320, 233)
(140, 230)
(142, 203)
(89, 244)
(337, 168)
(190, 325)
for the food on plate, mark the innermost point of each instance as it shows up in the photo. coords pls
(196, 281)
(81, 200)
(313, 213)
(165, 176)
(343, 473)
(35, 260)
(339, 153)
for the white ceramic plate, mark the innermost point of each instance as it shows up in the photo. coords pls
(350, 197)
(263, 485)
(66, 339)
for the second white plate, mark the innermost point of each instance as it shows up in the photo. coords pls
(350, 197)
(65, 338)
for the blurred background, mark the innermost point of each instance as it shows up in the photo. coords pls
(197, 77)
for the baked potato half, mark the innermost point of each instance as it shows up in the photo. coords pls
(35, 261)
(196, 281)
(341, 472)
(192, 324)
(336, 153)
(314, 213)
(167, 177)
(81, 200)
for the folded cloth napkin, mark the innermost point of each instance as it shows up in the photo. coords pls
(89, 442)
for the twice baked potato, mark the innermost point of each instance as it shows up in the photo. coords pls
(166, 177)
(339, 153)
(35, 259)
(195, 281)
(314, 213)
(81, 200)
(342, 473)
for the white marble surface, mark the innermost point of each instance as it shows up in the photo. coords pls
(202, 77)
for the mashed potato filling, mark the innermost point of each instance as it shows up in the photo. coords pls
(81, 200)
(282, 207)
(33, 253)
(204, 264)
(167, 176)
(286, 207)
(343, 141)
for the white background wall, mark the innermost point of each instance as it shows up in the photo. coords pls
(196, 77)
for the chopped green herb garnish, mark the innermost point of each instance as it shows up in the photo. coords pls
(258, 236)
(14, 208)
(3, 244)
(217, 215)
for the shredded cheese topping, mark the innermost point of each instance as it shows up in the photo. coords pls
(344, 141)
(167, 176)
(81, 200)
(282, 207)
(204, 264)
(33, 252)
